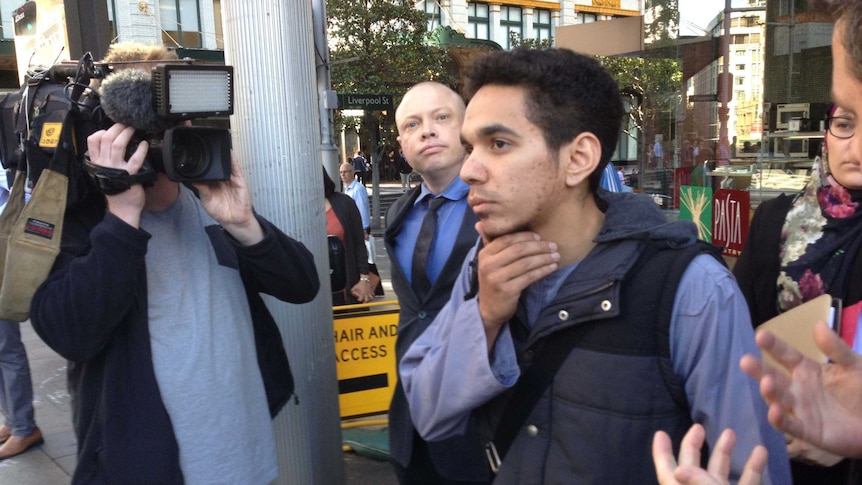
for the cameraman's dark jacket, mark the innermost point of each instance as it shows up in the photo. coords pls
(92, 310)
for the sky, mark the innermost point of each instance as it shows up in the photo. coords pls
(700, 13)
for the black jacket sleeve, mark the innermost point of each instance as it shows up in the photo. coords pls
(92, 287)
(279, 266)
(354, 237)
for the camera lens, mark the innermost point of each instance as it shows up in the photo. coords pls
(190, 155)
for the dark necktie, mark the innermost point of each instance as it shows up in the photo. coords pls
(421, 284)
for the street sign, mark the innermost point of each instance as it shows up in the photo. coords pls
(695, 98)
(365, 361)
(365, 101)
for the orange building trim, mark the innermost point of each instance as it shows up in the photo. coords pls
(614, 12)
(528, 4)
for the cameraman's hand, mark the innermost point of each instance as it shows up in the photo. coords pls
(229, 203)
(107, 148)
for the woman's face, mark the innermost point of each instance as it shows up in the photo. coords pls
(843, 154)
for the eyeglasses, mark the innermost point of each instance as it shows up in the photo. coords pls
(841, 127)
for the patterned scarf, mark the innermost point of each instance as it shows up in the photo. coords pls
(823, 228)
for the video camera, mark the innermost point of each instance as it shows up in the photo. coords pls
(156, 104)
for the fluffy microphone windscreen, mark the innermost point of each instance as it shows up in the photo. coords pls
(127, 98)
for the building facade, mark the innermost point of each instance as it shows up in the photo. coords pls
(777, 54)
(194, 25)
(746, 52)
(499, 20)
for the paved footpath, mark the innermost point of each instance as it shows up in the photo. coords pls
(54, 461)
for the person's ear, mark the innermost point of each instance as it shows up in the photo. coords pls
(581, 158)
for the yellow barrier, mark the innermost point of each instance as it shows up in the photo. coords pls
(365, 356)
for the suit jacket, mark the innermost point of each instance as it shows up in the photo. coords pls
(455, 458)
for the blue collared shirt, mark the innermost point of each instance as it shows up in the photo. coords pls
(449, 218)
(610, 179)
(359, 194)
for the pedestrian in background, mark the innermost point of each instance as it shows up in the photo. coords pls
(19, 432)
(344, 222)
(360, 167)
(356, 191)
(404, 169)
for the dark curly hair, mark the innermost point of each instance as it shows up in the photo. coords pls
(567, 94)
(328, 184)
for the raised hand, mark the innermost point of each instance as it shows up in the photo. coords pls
(820, 403)
(229, 203)
(687, 470)
(508, 265)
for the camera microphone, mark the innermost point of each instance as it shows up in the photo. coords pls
(183, 153)
(127, 98)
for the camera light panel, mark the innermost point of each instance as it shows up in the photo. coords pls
(189, 91)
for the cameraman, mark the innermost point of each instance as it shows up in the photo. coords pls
(154, 300)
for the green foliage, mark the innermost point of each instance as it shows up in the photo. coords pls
(652, 85)
(662, 26)
(377, 47)
(516, 40)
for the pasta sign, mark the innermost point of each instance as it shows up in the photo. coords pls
(365, 360)
(730, 219)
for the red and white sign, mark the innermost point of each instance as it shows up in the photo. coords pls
(730, 218)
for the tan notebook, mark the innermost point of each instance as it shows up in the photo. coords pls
(796, 327)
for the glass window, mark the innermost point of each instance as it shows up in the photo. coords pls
(510, 21)
(432, 11)
(585, 18)
(477, 18)
(9, 6)
(542, 24)
(112, 19)
(8, 29)
(180, 23)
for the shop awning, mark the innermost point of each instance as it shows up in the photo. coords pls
(624, 37)
(617, 37)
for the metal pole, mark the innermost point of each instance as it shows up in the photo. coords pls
(790, 52)
(375, 174)
(87, 28)
(277, 138)
(724, 89)
(328, 98)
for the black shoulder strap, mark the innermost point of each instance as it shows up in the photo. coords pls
(533, 382)
(679, 262)
(529, 388)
